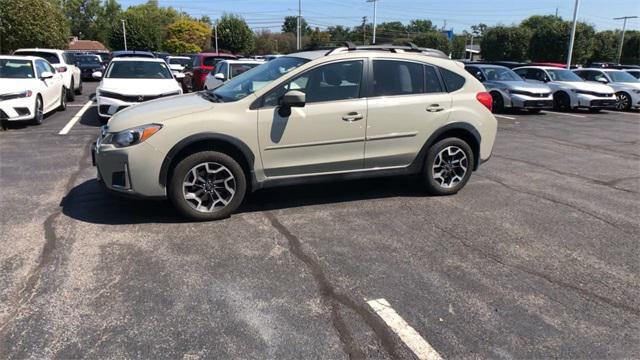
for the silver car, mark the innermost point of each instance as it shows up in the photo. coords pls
(626, 86)
(509, 90)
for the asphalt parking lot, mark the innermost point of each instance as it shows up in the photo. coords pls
(538, 257)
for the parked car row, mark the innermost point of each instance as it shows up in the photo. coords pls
(535, 88)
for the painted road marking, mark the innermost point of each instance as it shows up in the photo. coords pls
(504, 117)
(65, 130)
(407, 334)
(562, 113)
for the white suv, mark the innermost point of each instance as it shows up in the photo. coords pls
(64, 63)
(351, 112)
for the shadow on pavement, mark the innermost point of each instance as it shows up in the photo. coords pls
(90, 202)
(91, 118)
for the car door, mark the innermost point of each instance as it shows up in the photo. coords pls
(50, 92)
(327, 134)
(407, 103)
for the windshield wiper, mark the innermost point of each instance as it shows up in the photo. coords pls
(210, 96)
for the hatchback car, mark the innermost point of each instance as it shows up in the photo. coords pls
(227, 70)
(569, 90)
(509, 90)
(626, 86)
(305, 117)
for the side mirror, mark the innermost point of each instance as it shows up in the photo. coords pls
(46, 75)
(178, 76)
(602, 80)
(292, 98)
(97, 75)
(219, 76)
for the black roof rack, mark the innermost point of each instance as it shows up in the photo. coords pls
(410, 47)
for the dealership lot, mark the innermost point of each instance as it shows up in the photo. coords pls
(537, 257)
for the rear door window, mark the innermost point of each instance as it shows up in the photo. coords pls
(392, 78)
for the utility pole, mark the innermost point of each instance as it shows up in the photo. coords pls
(573, 33)
(375, 9)
(298, 38)
(624, 28)
(124, 33)
(215, 29)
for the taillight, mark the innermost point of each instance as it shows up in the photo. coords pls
(485, 99)
(62, 69)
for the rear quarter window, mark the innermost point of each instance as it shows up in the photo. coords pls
(452, 81)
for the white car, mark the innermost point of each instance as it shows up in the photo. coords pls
(569, 90)
(635, 73)
(64, 63)
(29, 88)
(178, 63)
(131, 80)
(626, 86)
(228, 69)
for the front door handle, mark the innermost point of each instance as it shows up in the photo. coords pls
(352, 116)
(434, 108)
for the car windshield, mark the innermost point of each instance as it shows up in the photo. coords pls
(179, 61)
(622, 76)
(88, 60)
(500, 74)
(50, 57)
(563, 75)
(253, 80)
(16, 69)
(138, 70)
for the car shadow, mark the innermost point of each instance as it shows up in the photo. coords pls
(91, 118)
(91, 202)
(22, 124)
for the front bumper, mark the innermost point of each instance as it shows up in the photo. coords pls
(132, 171)
(18, 109)
(594, 102)
(107, 107)
(530, 102)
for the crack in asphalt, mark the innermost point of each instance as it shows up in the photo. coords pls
(589, 295)
(333, 299)
(47, 256)
(556, 201)
(610, 184)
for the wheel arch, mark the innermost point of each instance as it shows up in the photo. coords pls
(462, 130)
(229, 145)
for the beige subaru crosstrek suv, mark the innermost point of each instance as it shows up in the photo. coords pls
(350, 112)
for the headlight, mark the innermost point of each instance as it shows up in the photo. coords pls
(16, 95)
(132, 136)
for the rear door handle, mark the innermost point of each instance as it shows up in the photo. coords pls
(352, 116)
(434, 108)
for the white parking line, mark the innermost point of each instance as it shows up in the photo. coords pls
(561, 113)
(407, 334)
(504, 117)
(65, 130)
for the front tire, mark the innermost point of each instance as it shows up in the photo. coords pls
(624, 101)
(71, 95)
(207, 185)
(448, 166)
(498, 102)
(39, 111)
(561, 101)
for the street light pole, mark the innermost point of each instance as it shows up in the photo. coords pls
(216, 33)
(624, 28)
(375, 10)
(298, 39)
(573, 33)
(124, 33)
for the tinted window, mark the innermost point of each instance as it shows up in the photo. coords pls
(16, 69)
(475, 72)
(50, 57)
(397, 78)
(433, 82)
(500, 74)
(332, 82)
(179, 61)
(237, 69)
(223, 69)
(452, 80)
(211, 61)
(621, 76)
(523, 73)
(138, 70)
(88, 59)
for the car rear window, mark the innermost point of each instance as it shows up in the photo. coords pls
(452, 80)
(52, 58)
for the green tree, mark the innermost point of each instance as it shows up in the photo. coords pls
(290, 25)
(505, 43)
(605, 46)
(387, 32)
(146, 26)
(631, 48)
(175, 46)
(434, 40)
(32, 23)
(189, 32)
(458, 45)
(420, 26)
(549, 41)
(479, 29)
(319, 38)
(83, 17)
(109, 16)
(234, 34)
(339, 34)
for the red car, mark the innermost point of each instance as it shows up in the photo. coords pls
(203, 63)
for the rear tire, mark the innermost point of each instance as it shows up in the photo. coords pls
(448, 166)
(204, 180)
(71, 95)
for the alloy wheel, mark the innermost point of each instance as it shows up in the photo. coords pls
(39, 115)
(450, 166)
(623, 101)
(208, 187)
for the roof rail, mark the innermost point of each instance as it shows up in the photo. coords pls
(410, 47)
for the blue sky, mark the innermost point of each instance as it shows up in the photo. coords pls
(458, 14)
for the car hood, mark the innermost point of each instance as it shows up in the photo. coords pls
(139, 86)
(159, 111)
(8, 86)
(585, 86)
(521, 86)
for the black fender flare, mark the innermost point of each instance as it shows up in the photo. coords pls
(419, 160)
(244, 149)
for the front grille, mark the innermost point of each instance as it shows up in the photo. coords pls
(135, 98)
(603, 103)
(538, 104)
(3, 115)
(531, 94)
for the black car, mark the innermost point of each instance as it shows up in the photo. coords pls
(88, 64)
